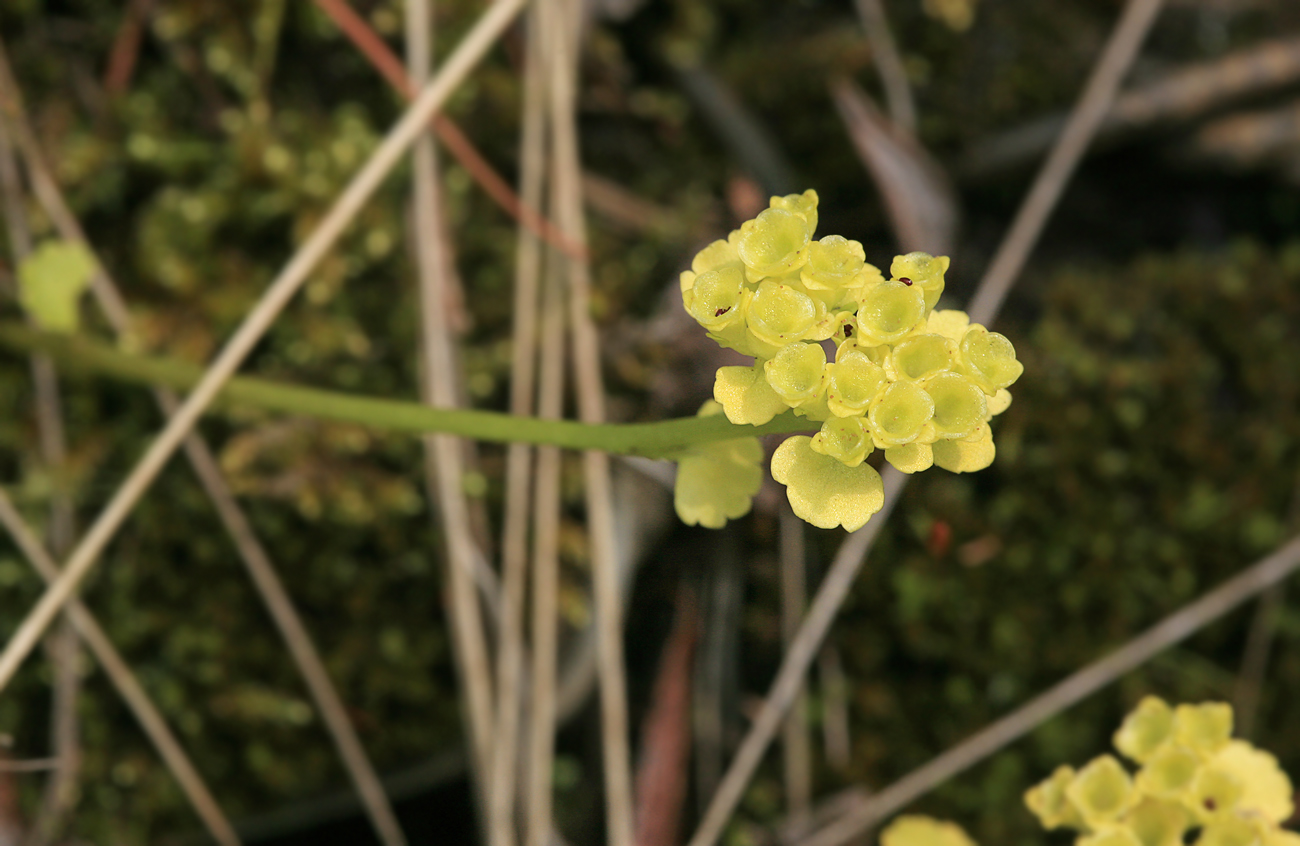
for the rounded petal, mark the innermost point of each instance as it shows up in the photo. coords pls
(715, 298)
(1266, 790)
(922, 356)
(1231, 832)
(890, 312)
(844, 438)
(775, 242)
(949, 323)
(716, 482)
(900, 413)
(718, 254)
(854, 381)
(999, 402)
(916, 830)
(1114, 836)
(968, 455)
(1158, 823)
(989, 359)
(798, 373)
(834, 262)
(959, 404)
(823, 490)
(779, 314)
(911, 458)
(1204, 728)
(745, 395)
(1169, 772)
(1049, 802)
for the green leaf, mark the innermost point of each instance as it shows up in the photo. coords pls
(51, 280)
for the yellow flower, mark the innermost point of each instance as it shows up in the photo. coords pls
(1102, 791)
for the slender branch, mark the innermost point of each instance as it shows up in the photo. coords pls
(796, 745)
(1175, 628)
(60, 795)
(889, 64)
(789, 679)
(655, 440)
(1085, 119)
(255, 325)
(443, 457)
(1120, 51)
(449, 132)
(519, 459)
(615, 743)
(127, 685)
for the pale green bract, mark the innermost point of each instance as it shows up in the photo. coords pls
(1192, 775)
(716, 482)
(920, 385)
(51, 281)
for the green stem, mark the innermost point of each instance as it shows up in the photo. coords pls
(664, 439)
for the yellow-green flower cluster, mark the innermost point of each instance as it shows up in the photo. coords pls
(917, 383)
(1191, 775)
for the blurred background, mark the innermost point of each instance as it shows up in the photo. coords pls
(1152, 450)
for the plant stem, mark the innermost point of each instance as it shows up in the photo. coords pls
(661, 439)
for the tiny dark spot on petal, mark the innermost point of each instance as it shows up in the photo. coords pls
(1210, 804)
(721, 311)
(905, 280)
(848, 331)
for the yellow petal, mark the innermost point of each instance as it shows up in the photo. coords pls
(745, 395)
(966, 456)
(910, 458)
(1266, 790)
(916, 830)
(823, 490)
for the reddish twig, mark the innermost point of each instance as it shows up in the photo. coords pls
(126, 48)
(457, 143)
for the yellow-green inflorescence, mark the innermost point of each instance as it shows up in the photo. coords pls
(1191, 776)
(919, 384)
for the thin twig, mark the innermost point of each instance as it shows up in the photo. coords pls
(1175, 628)
(789, 679)
(835, 710)
(796, 745)
(128, 687)
(449, 132)
(615, 745)
(546, 541)
(254, 326)
(1120, 51)
(30, 765)
(444, 459)
(1085, 119)
(267, 582)
(125, 52)
(1259, 641)
(60, 795)
(519, 458)
(889, 64)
